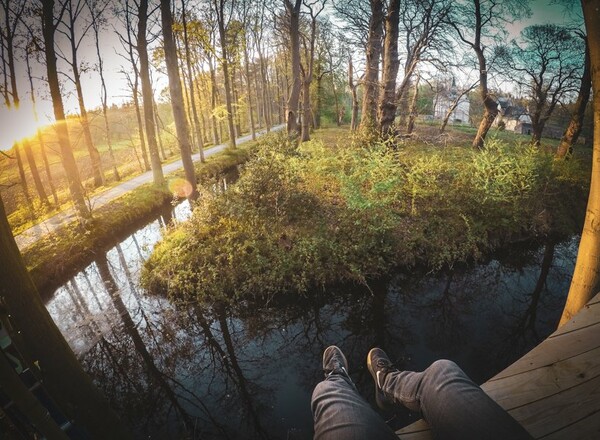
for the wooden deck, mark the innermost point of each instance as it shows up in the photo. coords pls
(554, 390)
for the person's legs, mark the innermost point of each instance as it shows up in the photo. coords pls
(339, 411)
(452, 404)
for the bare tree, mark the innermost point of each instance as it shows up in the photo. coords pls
(74, 10)
(308, 68)
(134, 83)
(547, 63)
(188, 64)
(387, 102)
(373, 54)
(573, 130)
(219, 9)
(475, 22)
(293, 12)
(98, 11)
(49, 28)
(147, 94)
(181, 123)
(353, 86)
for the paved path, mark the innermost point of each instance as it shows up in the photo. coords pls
(51, 224)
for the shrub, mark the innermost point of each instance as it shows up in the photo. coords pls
(311, 215)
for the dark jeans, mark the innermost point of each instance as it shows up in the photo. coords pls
(451, 403)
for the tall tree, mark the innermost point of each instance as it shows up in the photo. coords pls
(353, 86)
(219, 9)
(586, 276)
(147, 93)
(98, 18)
(66, 152)
(181, 123)
(308, 67)
(134, 83)
(475, 22)
(188, 64)
(547, 64)
(32, 48)
(373, 54)
(8, 32)
(387, 101)
(573, 130)
(293, 11)
(71, 22)
(63, 376)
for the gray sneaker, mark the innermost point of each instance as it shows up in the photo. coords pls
(379, 365)
(334, 361)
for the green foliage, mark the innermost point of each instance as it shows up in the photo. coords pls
(314, 214)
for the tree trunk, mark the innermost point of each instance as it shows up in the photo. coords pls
(490, 105)
(413, 108)
(62, 132)
(85, 124)
(225, 66)
(249, 93)
(371, 79)
(294, 99)
(140, 124)
(22, 177)
(159, 129)
(305, 136)
(104, 98)
(39, 187)
(586, 277)
(63, 376)
(213, 103)
(354, 119)
(573, 130)
(147, 94)
(391, 64)
(40, 137)
(188, 63)
(181, 123)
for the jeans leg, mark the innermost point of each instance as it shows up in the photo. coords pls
(452, 404)
(339, 412)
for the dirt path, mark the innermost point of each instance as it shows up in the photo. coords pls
(51, 224)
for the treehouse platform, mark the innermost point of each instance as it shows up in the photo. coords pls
(554, 390)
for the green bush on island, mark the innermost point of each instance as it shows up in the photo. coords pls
(311, 215)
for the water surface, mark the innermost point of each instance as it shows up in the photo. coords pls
(248, 370)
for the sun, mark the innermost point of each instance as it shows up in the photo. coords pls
(16, 125)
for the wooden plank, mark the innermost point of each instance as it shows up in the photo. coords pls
(586, 428)
(415, 431)
(518, 390)
(554, 390)
(588, 316)
(546, 416)
(554, 350)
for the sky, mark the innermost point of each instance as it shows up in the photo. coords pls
(16, 125)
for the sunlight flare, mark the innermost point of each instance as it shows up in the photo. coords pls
(17, 124)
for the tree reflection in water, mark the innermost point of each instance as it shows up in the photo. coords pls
(247, 369)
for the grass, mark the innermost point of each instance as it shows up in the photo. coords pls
(55, 255)
(342, 209)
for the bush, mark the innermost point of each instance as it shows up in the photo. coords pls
(312, 215)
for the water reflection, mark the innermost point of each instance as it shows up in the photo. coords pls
(247, 370)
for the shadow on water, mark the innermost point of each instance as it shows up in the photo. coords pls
(247, 370)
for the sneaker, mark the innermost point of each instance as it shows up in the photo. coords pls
(379, 366)
(334, 361)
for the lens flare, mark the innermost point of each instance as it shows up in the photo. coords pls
(180, 187)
